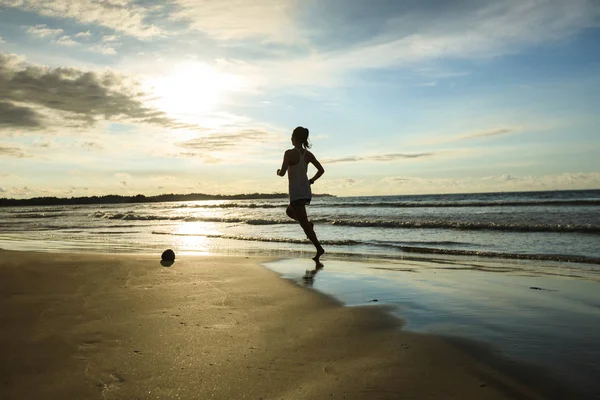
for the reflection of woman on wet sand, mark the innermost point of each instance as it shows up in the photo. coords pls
(295, 162)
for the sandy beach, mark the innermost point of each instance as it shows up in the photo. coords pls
(85, 326)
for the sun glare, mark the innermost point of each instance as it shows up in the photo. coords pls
(191, 89)
(190, 237)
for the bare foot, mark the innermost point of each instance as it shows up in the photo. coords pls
(320, 252)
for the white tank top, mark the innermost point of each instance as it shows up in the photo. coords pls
(298, 180)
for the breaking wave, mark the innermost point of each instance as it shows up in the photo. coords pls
(405, 204)
(368, 223)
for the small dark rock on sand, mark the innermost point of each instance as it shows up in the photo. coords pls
(168, 255)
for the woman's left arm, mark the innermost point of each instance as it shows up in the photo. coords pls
(284, 165)
(318, 166)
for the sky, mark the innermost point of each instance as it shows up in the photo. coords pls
(201, 96)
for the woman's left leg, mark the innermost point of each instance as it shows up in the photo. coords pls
(307, 226)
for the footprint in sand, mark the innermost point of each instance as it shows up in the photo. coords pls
(113, 382)
(88, 345)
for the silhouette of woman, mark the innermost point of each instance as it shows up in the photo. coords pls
(295, 162)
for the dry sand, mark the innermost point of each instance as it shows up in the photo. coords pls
(77, 326)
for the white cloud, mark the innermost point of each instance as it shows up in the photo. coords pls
(80, 106)
(121, 15)
(103, 49)
(2, 40)
(229, 140)
(239, 19)
(414, 40)
(110, 38)
(83, 34)
(488, 133)
(479, 134)
(37, 97)
(43, 31)
(498, 28)
(387, 157)
(66, 41)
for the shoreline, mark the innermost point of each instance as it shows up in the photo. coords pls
(123, 326)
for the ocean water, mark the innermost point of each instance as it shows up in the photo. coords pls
(556, 225)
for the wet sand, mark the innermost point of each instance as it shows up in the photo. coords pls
(83, 326)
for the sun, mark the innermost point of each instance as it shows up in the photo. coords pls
(190, 90)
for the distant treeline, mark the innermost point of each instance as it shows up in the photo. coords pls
(140, 198)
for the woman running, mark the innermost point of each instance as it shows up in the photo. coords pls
(297, 160)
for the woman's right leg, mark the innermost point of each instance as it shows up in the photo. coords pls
(290, 212)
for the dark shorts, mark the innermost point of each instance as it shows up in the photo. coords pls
(300, 202)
